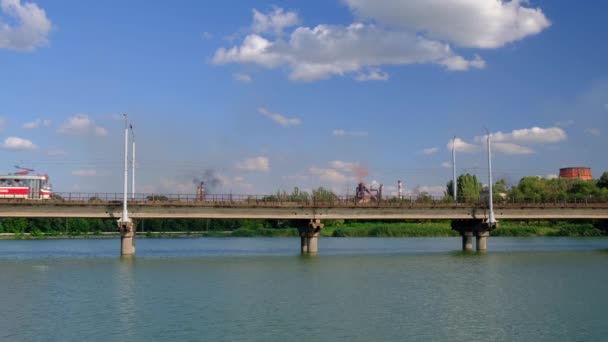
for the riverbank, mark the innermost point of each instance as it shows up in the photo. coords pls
(351, 229)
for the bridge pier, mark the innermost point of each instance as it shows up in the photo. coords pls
(482, 240)
(467, 241)
(309, 236)
(127, 238)
(470, 228)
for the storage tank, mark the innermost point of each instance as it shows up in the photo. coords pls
(583, 173)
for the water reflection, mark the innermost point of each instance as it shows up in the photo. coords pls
(125, 299)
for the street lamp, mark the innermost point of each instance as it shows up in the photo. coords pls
(125, 215)
(454, 170)
(491, 220)
(132, 163)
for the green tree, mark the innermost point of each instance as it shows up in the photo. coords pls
(468, 187)
(13, 225)
(449, 191)
(323, 195)
(603, 181)
(530, 189)
(299, 196)
(583, 188)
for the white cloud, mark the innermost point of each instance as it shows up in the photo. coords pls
(279, 118)
(593, 131)
(534, 135)
(31, 26)
(84, 173)
(206, 35)
(468, 23)
(373, 74)
(101, 132)
(511, 148)
(17, 144)
(328, 50)
(551, 176)
(515, 142)
(458, 63)
(344, 165)
(32, 124)
(446, 165)
(257, 164)
(77, 124)
(331, 175)
(462, 146)
(240, 77)
(81, 124)
(339, 172)
(343, 133)
(389, 32)
(273, 22)
(539, 135)
(430, 150)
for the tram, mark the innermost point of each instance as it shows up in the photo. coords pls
(22, 185)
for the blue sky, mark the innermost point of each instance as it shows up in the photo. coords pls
(272, 95)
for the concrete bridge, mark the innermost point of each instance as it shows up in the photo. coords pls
(467, 218)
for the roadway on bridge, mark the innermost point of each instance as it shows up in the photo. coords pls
(243, 210)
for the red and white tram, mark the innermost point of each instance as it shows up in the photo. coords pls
(25, 186)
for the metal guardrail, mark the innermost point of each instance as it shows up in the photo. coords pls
(286, 200)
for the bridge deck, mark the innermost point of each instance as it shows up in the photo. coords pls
(292, 210)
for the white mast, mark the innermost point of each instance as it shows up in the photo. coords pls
(454, 187)
(132, 164)
(125, 215)
(491, 219)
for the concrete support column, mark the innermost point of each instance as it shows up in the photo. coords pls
(482, 240)
(467, 241)
(127, 238)
(309, 236)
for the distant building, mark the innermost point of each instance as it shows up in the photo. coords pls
(583, 173)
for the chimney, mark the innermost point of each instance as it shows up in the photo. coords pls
(200, 192)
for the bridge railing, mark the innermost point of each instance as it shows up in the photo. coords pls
(286, 200)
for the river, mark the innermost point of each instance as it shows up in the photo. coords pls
(258, 289)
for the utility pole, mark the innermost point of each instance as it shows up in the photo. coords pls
(454, 187)
(125, 214)
(491, 220)
(132, 163)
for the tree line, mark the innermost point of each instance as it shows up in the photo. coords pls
(532, 189)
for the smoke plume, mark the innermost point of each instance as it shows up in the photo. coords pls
(210, 178)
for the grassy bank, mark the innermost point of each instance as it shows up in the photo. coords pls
(351, 229)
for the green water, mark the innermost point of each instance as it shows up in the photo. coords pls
(527, 289)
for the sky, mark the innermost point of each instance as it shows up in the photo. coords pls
(256, 96)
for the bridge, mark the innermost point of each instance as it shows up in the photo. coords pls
(470, 219)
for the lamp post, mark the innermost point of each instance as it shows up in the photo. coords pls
(491, 220)
(132, 163)
(125, 224)
(125, 215)
(454, 187)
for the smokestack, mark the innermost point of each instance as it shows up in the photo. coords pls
(200, 192)
(400, 187)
